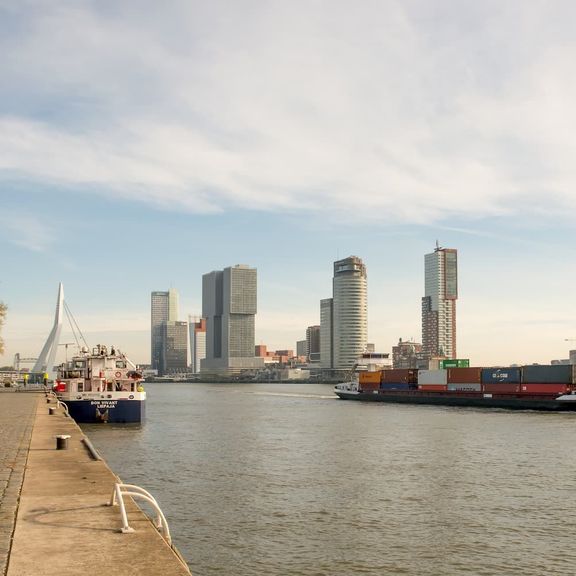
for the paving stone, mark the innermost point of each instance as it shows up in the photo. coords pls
(16, 419)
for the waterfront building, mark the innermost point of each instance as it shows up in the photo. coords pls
(302, 349)
(313, 343)
(164, 308)
(197, 328)
(174, 357)
(261, 350)
(326, 343)
(439, 303)
(229, 299)
(408, 354)
(350, 312)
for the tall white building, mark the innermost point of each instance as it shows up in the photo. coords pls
(350, 312)
(229, 307)
(326, 333)
(164, 308)
(439, 303)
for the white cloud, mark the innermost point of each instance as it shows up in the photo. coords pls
(383, 110)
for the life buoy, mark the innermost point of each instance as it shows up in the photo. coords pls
(118, 374)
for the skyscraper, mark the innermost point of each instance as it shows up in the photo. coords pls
(302, 349)
(174, 356)
(439, 303)
(350, 311)
(197, 342)
(229, 306)
(313, 343)
(164, 308)
(326, 329)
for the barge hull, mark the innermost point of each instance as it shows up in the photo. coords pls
(506, 401)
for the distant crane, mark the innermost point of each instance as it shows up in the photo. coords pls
(18, 360)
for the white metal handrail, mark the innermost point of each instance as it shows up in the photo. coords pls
(59, 402)
(121, 490)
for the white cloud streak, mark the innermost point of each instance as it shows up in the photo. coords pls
(383, 110)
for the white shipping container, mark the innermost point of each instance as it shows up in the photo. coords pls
(465, 387)
(432, 376)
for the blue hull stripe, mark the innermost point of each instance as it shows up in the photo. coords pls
(92, 411)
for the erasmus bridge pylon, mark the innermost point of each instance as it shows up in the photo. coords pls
(45, 362)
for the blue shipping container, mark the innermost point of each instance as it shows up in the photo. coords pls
(495, 375)
(397, 386)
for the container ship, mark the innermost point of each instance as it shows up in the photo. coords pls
(534, 387)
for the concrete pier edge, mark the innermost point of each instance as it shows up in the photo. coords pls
(63, 523)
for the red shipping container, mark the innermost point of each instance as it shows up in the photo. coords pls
(369, 386)
(464, 375)
(400, 375)
(501, 388)
(544, 388)
(432, 387)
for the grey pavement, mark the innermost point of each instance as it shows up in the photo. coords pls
(17, 412)
(64, 526)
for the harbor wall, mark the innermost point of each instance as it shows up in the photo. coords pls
(64, 525)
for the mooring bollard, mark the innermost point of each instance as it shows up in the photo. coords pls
(51, 411)
(62, 441)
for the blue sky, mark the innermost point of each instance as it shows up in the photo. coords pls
(143, 145)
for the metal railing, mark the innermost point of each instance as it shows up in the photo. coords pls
(121, 490)
(59, 402)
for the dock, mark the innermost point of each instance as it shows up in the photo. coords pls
(55, 517)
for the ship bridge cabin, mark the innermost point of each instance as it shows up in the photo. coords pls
(100, 371)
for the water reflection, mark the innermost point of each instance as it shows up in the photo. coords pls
(277, 480)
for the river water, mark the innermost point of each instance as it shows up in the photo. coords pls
(288, 480)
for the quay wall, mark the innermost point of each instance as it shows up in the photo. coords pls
(64, 525)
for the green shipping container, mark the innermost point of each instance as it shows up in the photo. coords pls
(455, 363)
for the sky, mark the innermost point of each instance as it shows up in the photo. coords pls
(143, 144)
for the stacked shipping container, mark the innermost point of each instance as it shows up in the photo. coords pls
(529, 380)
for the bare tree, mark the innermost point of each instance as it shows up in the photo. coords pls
(3, 309)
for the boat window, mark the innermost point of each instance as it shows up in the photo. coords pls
(109, 386)
(120, 364)
(88, 386)
(80, 386)
(132, 387)
(79, 364)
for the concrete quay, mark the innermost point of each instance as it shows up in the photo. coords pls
(64, 525)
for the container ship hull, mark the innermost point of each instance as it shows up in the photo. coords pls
(562, 403)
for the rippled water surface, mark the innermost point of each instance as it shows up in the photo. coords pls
(287, 480)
